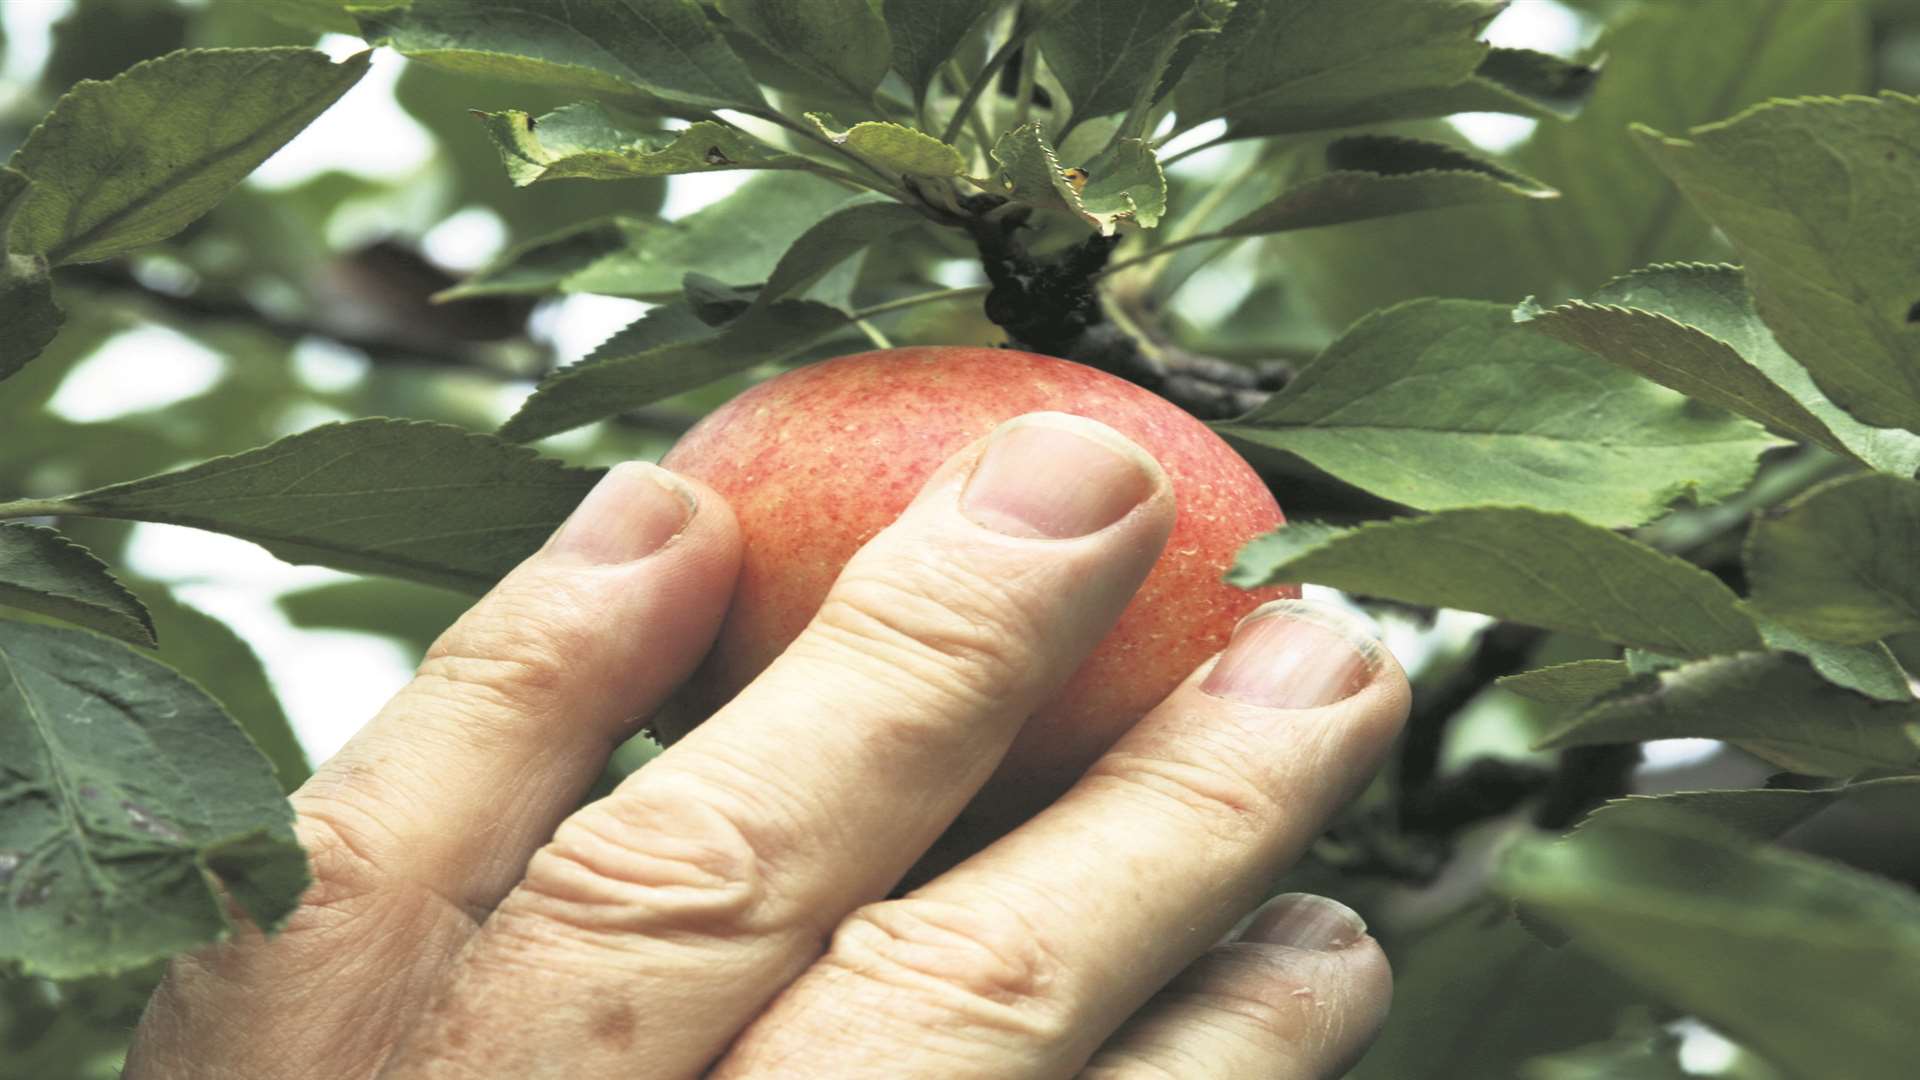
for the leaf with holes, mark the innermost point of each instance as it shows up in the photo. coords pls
(893, 148)
(585, 142)
(129, 794)
(1123, 183)
(125, 163)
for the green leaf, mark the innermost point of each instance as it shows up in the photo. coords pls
(843, 41)
(414, 615)
(1671, 65)
(207, 651)
(117, 165)
(1653, 1056)
(658, 52)
(1772, 704)
(29, 317)
(925, 33)
(1869, 668)
(1106, 55)
(1124, 183)
(318, 16)
(1379, 175)
(44, 572)
(894, 148)
(410, 499)
(1538, 80)
(584, 141)
(1811, 193)
(1760, 813)
(1445, 403)
(1283, 66)
(856, 225)
(128, 792)
(1570, 684)
(642, 364)
(1740, 935)
(1838, 562)
(1693, 327)
(1474, 995)
(737, 239)
(1542, 569)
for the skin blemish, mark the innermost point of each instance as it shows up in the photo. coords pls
(613, 1026)
(1913, 313)
(9, 862)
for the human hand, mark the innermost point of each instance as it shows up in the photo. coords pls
(726, 909)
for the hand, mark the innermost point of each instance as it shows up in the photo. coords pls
(726, 908)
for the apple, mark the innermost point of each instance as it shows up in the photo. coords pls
(818, 460)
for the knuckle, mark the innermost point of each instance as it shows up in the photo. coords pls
(339, 856)
(946, 628)
(1210, 783)
(962, 967)
(507, 655)
(658, 863)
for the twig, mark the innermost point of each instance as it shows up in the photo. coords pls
(994, 63)
(917, 299)
(1502, 649)
(109, 276)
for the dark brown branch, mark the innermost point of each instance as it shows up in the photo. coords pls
(1054, 306)
(435, 339)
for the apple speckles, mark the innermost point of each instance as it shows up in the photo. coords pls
(817, 461)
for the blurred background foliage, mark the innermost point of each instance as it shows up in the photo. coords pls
(306, 296)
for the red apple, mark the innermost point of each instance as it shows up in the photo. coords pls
(818, 460)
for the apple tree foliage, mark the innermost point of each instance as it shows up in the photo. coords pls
(1641, 389)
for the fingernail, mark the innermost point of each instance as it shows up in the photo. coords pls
(631, 513)
(1294, 654)
(1305, 921)
(1056, 476)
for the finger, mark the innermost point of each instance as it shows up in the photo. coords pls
(1299, 996)
(660, 920)
(423, 821)
(1021, 960)
(515, 709)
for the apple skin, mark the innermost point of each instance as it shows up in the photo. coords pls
(818, 460)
